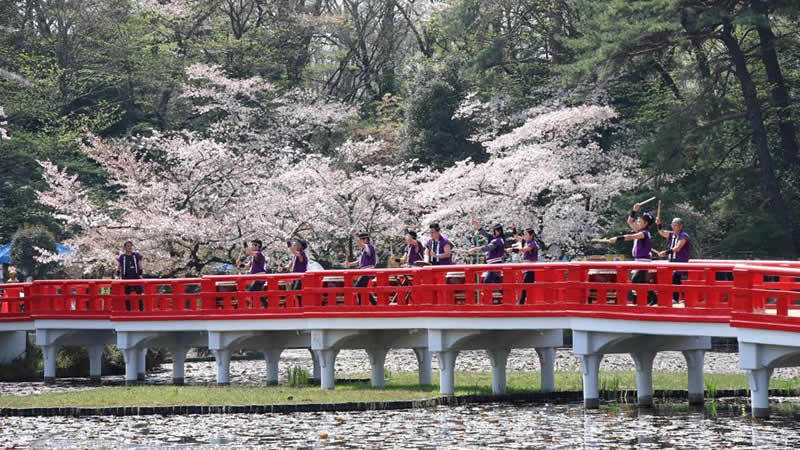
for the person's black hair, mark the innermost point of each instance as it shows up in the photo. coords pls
(303, 244)
(531, 231)
(126, 243)
(648, 217)
(412, 233)
(435, 227)
(499, 228)
(257, 242)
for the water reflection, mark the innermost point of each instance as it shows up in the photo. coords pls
(478, 427)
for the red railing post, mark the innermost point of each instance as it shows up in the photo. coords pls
(664, 278)
(575, 292)
(313, 281)
(742, 290)
(381, 283)
(208, 294)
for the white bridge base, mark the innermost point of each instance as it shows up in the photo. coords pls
(590, 346)
(761, 350)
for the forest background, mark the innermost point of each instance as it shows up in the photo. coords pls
(190, 125)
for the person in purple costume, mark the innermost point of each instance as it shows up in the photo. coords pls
(366, 260)
(438, 250)
(679, 251)
(530, 254)
(642, 246)
(298, 264)
(495, 249)
(129, 267)
(257, 264)
(415, 251)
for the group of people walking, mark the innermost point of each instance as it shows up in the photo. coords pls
(439, 251)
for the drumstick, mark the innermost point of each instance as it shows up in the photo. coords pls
(600, 240)
(658, 212)
(646, 201)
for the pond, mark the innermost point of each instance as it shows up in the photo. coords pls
(476, 426)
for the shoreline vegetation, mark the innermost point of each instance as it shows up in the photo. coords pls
(400, 386)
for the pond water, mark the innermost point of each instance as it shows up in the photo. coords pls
(476, 426)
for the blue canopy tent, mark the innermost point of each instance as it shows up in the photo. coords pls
(5, 252)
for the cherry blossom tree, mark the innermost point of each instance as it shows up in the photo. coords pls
(353, 189)
(550, 173)
(188, 198)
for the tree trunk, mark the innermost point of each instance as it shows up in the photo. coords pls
(387, 84)
(780, 95)
(756, 118)
(689, 23)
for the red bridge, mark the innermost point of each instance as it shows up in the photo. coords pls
(434, 309)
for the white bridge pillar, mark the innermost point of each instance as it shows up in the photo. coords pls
(223, 360)
(694, 365)
(50, 352)
(377, 359)
(95, 362)
(272, 357)
(178, 353)
(498, 358)
(316, 372)
(327, 358)
(141, 365)
(759, 359)
(547, 362)
(644, 377)
(131, 365)
(447, 371)
(424, 361)
(590, 369)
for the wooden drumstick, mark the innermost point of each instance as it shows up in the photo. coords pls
(658, 212)
(646, 201)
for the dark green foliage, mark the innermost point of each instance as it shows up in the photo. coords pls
(663, 64)
(434, 136)
(24, 254)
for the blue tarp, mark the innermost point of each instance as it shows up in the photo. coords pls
(5, 252)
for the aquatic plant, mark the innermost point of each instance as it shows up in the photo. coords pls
(298, 377)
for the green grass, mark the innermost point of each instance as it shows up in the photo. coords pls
(400, 386)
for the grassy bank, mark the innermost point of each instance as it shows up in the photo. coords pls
(399, 386)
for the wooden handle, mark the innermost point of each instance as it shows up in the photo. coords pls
(646, 201)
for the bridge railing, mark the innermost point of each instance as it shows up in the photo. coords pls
(464, 287)
(71, 299)
(601, 289)
(156, 298)
(772, 305)
(15, 302)
(251, 294)
(607, 289)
